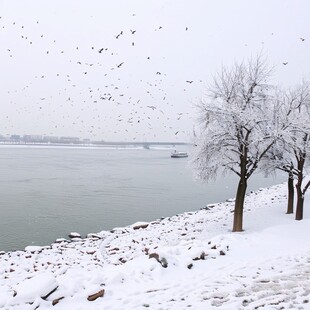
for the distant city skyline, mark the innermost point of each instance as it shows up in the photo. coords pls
(69, 140)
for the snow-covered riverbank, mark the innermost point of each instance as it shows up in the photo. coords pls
(188, 260)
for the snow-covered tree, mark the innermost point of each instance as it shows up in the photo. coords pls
(279, 156)
(291, 151)
(297, 140)
(236, 126)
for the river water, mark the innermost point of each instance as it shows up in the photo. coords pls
(47, 192)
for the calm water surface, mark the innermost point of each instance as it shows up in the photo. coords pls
(47, 192)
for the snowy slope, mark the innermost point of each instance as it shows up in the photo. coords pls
(195, 262)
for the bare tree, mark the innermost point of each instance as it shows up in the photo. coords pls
(236, 121)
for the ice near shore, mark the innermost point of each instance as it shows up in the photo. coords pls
(188, 260)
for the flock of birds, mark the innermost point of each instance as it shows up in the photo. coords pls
(86, 92)
(141, 110)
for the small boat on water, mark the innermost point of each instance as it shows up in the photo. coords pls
(176, 154)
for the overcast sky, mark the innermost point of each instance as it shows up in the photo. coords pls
(133, 70)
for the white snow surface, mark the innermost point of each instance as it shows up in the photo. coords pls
(196, 262)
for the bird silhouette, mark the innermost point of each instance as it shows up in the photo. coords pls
(302, 39)
(190, 82)
(285, 63)
(117, 36)
(133, 31)
(118, 66)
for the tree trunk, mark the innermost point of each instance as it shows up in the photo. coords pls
(290, 199)
(300, 195)
(300, 202)
(238, 213)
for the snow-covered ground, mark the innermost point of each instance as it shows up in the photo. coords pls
(191, 260)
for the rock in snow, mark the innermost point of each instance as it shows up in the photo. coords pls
(59, 240)
(139, 225)
(33, 248)
(74, 235)
(96, 295)
(93, 235)
(40, 285)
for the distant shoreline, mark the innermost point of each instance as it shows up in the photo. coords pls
(103, 144)
(114, 145)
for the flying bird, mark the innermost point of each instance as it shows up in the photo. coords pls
(190, 82)
(133, 31)
(118, 66)
(302, 39)
(119, 35)
(285, 63)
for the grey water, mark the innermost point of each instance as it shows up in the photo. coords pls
(48, 192)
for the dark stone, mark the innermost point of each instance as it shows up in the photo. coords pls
(96, 295)
(140, 226)
(56, 301)
(51, 292)
(162, 261)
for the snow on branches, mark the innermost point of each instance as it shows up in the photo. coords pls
(236, 121)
